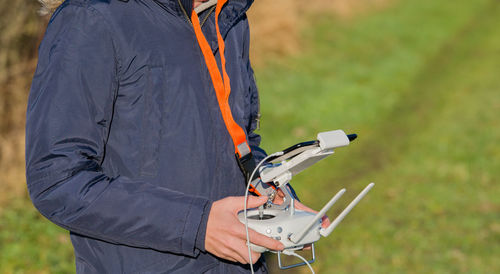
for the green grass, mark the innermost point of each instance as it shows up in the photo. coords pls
(29, 243)
(419, 82)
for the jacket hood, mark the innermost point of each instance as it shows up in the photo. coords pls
(48, 6)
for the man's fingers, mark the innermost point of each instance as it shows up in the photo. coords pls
(256, 201)
(278, 199)
(301, 206)
(261, 240)
(325, 222)
(246, 258)
(241, 251)
(240, 258)
(255, 256)
(237, 251)
(225, 234)
(280, 193)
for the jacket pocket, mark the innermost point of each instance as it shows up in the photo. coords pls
(152, 121)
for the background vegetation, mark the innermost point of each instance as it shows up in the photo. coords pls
(416, 79)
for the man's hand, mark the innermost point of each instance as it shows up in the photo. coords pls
(325, 222)
(226, 236)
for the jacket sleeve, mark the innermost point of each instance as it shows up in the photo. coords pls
(69, 114)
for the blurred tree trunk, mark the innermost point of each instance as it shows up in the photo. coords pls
(21, 28)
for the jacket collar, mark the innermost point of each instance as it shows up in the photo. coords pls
(230, 14)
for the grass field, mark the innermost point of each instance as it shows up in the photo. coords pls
(419, 82)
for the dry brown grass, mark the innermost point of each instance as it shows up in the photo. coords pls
(276, 27)
(20, 31)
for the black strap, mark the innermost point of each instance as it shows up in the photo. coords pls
(247, 166)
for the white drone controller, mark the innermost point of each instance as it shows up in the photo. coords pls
(292, 227)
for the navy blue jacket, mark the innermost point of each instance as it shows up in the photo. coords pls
(125, 142)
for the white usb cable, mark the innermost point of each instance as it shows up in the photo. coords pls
(286, 252)
(279, 153)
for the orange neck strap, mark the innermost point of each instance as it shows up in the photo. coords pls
(221, 81)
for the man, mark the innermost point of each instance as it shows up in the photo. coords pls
(126, 146)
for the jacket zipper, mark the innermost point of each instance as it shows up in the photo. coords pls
(208, 15)
(185, 13)
(188, 19)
